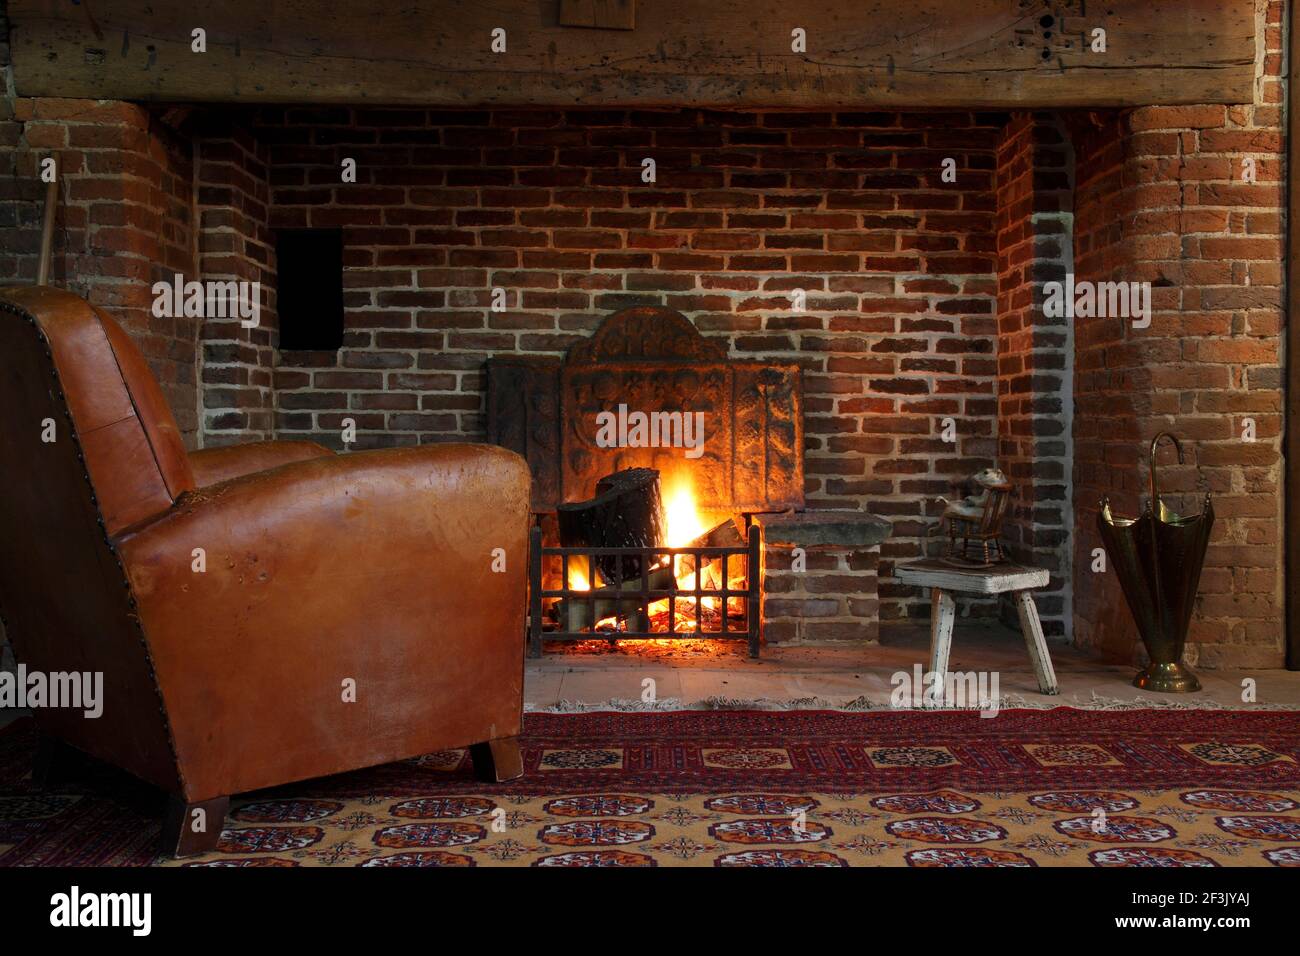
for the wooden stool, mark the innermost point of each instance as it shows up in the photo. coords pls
(944, 578)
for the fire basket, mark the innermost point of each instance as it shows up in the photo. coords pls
(1158, 558)
(677, 594)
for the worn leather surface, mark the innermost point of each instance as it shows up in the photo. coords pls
(64, 598)
(132, 446)
(150, 409)
(213, 465)
(373, 567)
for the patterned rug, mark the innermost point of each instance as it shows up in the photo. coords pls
(1027, 788)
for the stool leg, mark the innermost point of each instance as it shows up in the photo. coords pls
(1032, 629)
(943, 610)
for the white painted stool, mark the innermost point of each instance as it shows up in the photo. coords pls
(943, 578)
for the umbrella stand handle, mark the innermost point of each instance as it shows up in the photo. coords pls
(1155, 489)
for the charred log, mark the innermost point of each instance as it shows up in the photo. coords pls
(627, 512)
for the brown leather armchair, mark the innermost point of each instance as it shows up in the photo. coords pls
(348, 614)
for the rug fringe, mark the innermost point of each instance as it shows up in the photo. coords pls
(863, 703)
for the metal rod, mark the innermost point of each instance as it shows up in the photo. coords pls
(535, 595)
(724, 594)
(699, 601)
(47, 228)
(642, 610)
(754, 576)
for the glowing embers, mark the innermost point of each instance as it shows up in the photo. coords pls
(700, 582)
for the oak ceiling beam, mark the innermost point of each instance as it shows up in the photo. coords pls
(714, 53)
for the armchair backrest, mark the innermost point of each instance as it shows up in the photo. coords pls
(88, 447)
(133, 450)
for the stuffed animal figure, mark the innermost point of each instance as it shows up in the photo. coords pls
(977, 519)
(972, 506)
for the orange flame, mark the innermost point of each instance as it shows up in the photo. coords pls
(684, 523)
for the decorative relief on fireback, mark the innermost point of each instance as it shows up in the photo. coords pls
(769, 436)
(588, 390)
(645, 334)
(651, 359)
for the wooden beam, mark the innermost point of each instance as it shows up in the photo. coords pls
(709, 53)
(599, 14)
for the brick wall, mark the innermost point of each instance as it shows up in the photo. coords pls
(123, 222)
(235, 243)
(898, 267)
(1035, 354)
(833, 597)
(1161, 198)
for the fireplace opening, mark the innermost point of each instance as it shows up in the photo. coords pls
(724, 439)
(652, 452)
(858, 330)
(695, 583)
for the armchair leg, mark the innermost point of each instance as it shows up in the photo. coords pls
(54, 764)
(497, 760)
(193, 828)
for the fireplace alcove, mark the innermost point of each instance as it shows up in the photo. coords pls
(652, 360)
(866, 218)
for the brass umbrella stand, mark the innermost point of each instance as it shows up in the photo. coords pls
(1158, 557)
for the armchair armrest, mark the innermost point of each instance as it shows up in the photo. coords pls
(372, 571)
(213, 465)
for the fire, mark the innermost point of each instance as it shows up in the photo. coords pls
(684, 523)
(577, 580)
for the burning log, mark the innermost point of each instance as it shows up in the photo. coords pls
(626, 513)
(709, 616)
(728, 534)
(612, 612)
(621, 603)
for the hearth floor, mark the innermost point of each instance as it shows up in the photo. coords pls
(714, 674)
(717, 674)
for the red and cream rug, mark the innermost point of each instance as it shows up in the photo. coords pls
(744, 788)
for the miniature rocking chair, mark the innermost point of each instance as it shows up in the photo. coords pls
(985, 532)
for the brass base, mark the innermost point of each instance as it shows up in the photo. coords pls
(1167, 679)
